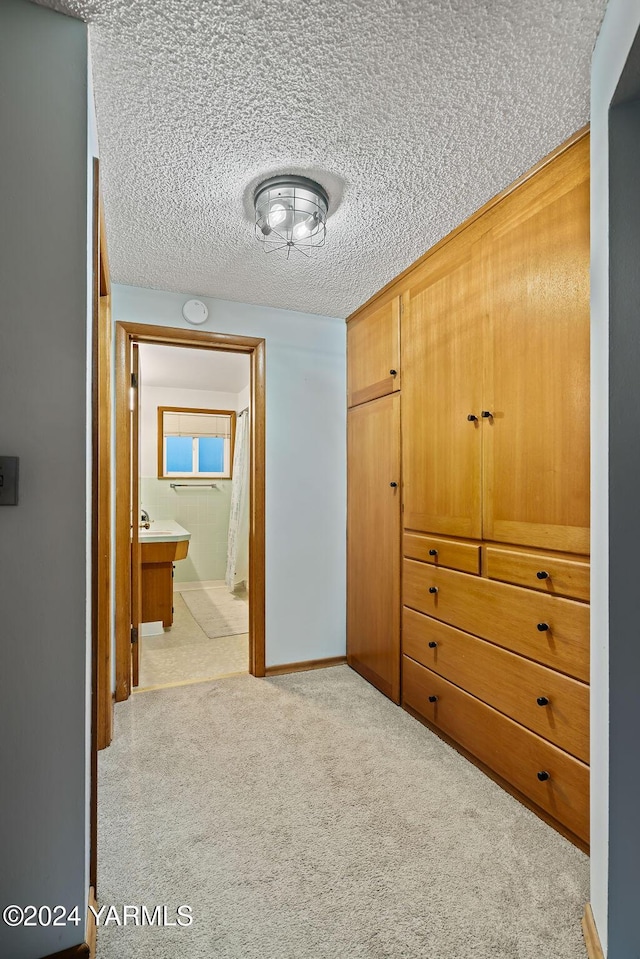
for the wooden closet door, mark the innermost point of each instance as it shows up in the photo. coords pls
(373, 353)
(373, 543)
(442, 331)
(536, 443)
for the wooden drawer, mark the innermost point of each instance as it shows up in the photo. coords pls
(510, 750)
(564, 577)
(455, 554)
(506, 615)
(504, 680)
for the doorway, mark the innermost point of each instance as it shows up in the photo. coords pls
(193, 488)
(193, 471)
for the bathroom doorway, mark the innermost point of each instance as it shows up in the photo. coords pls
(189, 507)
(193, 485)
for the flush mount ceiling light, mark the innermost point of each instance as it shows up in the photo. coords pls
(291, 214)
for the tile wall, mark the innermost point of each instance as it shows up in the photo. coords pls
(204, 512)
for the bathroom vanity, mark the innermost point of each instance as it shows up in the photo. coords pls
(161, 546)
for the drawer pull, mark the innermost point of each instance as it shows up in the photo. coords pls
(432, 645)
(433, 699)
(393, 485)
(433, 589)
(433, 552)
(487, 415)
(542, 701)
(543, 775)
(472, 418)
(542, 574)
(393, 372)
(543, 627)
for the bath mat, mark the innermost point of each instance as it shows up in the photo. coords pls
(217, 611)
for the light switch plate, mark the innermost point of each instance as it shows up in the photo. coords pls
(8, 480)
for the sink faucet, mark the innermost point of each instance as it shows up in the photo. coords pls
(145, 521)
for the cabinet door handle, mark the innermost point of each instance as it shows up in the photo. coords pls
(432, 645)
(433, 699)
(543, 775)
(433, 589)
(393, 485)
(472, 418)
(542, 701)
(542, 574)
(433, 552)
(487, 415)
(393, 372)
(543, 627)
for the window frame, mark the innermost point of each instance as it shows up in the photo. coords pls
(162, 473)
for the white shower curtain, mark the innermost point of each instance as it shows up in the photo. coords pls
(238, 540)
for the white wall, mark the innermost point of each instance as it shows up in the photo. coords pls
(43, 541)
(615, 883)
(306, 462)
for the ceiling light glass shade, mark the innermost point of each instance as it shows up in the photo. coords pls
(291, 214)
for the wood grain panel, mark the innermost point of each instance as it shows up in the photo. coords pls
(504, 680)
(136, 511)
(157, 594)
(514, 752)
(565, 577)
(505, 615)
(454, 554)
(123, 515)
(442, 336)
(162, 552)
(535, 263)
(421, 265)
(373, 351)
(373, 543)
(591, 937)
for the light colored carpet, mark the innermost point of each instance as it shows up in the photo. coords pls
(217, 611)
(307, 817)
(185, 652)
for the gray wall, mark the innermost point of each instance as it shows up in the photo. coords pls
(624, 531)
(615, 595)
(43, 372)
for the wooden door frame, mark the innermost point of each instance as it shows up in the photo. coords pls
(254, 347)
(101, 695)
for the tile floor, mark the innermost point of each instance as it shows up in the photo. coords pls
(185, 653)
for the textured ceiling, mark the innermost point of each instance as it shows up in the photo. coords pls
(411, 113)
(193, 369)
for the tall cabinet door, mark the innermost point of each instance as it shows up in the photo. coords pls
(442, 335)
(536, 442)
(373, 543)
(373, 353)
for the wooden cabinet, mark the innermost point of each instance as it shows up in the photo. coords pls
(536, 443)
(495, 495)
(450, 553)
(373, 353)
(546, 775)
(554, 574)
(373, 543)
(548, 629)
(442, 361)
(157, 561)
(550, 704)
(497, 328)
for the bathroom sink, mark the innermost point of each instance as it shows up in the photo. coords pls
(164, 531)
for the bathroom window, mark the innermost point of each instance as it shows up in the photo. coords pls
(195, 443)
